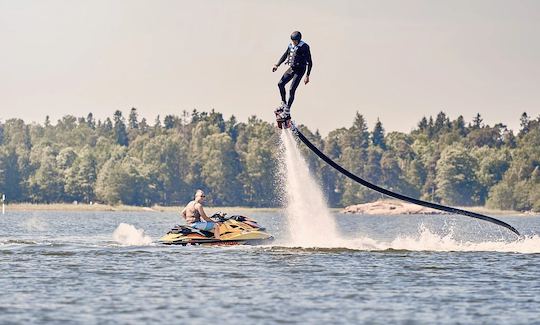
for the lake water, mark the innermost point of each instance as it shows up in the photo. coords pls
(66, 267)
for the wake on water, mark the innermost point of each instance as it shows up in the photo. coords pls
(311, 224)
(128, 235)
(425, 240)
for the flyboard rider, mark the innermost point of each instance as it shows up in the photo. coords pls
(197, 218)
(298, 57)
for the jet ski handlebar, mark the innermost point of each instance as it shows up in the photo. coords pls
(219, 216)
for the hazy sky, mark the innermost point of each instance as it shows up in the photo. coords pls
(396, 60)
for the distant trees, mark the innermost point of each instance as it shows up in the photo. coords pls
(80, 178)
(520, 183)
(11, 182)
(47, 183)
(456, 181)
(132, 162)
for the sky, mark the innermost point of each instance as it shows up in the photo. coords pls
(392, 60)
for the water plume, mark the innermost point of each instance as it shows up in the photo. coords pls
(310, 222)
(36, 224)
(128, 235)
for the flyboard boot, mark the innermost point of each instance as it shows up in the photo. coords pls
(283, 116)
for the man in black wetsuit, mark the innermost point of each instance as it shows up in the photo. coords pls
(298, 57)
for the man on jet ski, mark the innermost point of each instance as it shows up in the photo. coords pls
(298, 57)
(194, 212)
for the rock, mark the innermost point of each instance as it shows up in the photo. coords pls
(389, 207)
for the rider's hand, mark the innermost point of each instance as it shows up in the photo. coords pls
(274, 68)
(306, 80)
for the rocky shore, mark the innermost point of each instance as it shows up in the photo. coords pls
(389, 207)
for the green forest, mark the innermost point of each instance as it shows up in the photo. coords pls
(129, 160)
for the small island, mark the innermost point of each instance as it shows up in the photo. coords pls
(389, 207)
(397, 207)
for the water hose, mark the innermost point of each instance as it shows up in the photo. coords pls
(394, 194)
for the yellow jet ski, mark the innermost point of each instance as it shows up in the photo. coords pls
(234, 230)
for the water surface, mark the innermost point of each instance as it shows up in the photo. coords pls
(65, 267)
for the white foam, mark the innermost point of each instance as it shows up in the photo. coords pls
(128, 235)
(310, 222)
(35, 224)
(427, 240)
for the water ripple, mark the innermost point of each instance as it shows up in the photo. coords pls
(395, 276)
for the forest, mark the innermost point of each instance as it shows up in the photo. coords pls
(129, 160)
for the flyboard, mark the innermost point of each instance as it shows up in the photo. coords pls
(283, 121)
(287, 123)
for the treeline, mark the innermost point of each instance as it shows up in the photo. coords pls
(135, 162)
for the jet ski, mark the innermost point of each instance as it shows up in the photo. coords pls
(234, 230)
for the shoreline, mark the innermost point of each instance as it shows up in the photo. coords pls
(386, 210)
(122, 208)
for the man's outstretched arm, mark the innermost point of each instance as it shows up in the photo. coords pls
(283, 57)
(281, 60)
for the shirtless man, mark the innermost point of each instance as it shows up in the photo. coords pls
(194, 212)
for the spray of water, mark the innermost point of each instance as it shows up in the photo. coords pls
(428, 240)
(310, 222)
(128, 235)
(36, 224)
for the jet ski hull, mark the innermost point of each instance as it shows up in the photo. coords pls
(217, 242)
(251, 238)
(237, 230)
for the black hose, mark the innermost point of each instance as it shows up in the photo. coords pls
(397, 195)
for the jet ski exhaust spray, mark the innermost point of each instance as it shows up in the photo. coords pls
(310, 222)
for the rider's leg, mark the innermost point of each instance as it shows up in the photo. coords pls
(287, 76)
(216, 230)
(295, 82)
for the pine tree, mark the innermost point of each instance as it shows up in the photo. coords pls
(423, 125)
(441, 123)
(120, 132)
(133, 119)
(430, 128)
(169, 122)
(359, 134)
(524, 123)
(477, 122)
(157, 123)
(90, 121)
(459, 126)
(377, 136)
(107, 126)
(143, 126)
